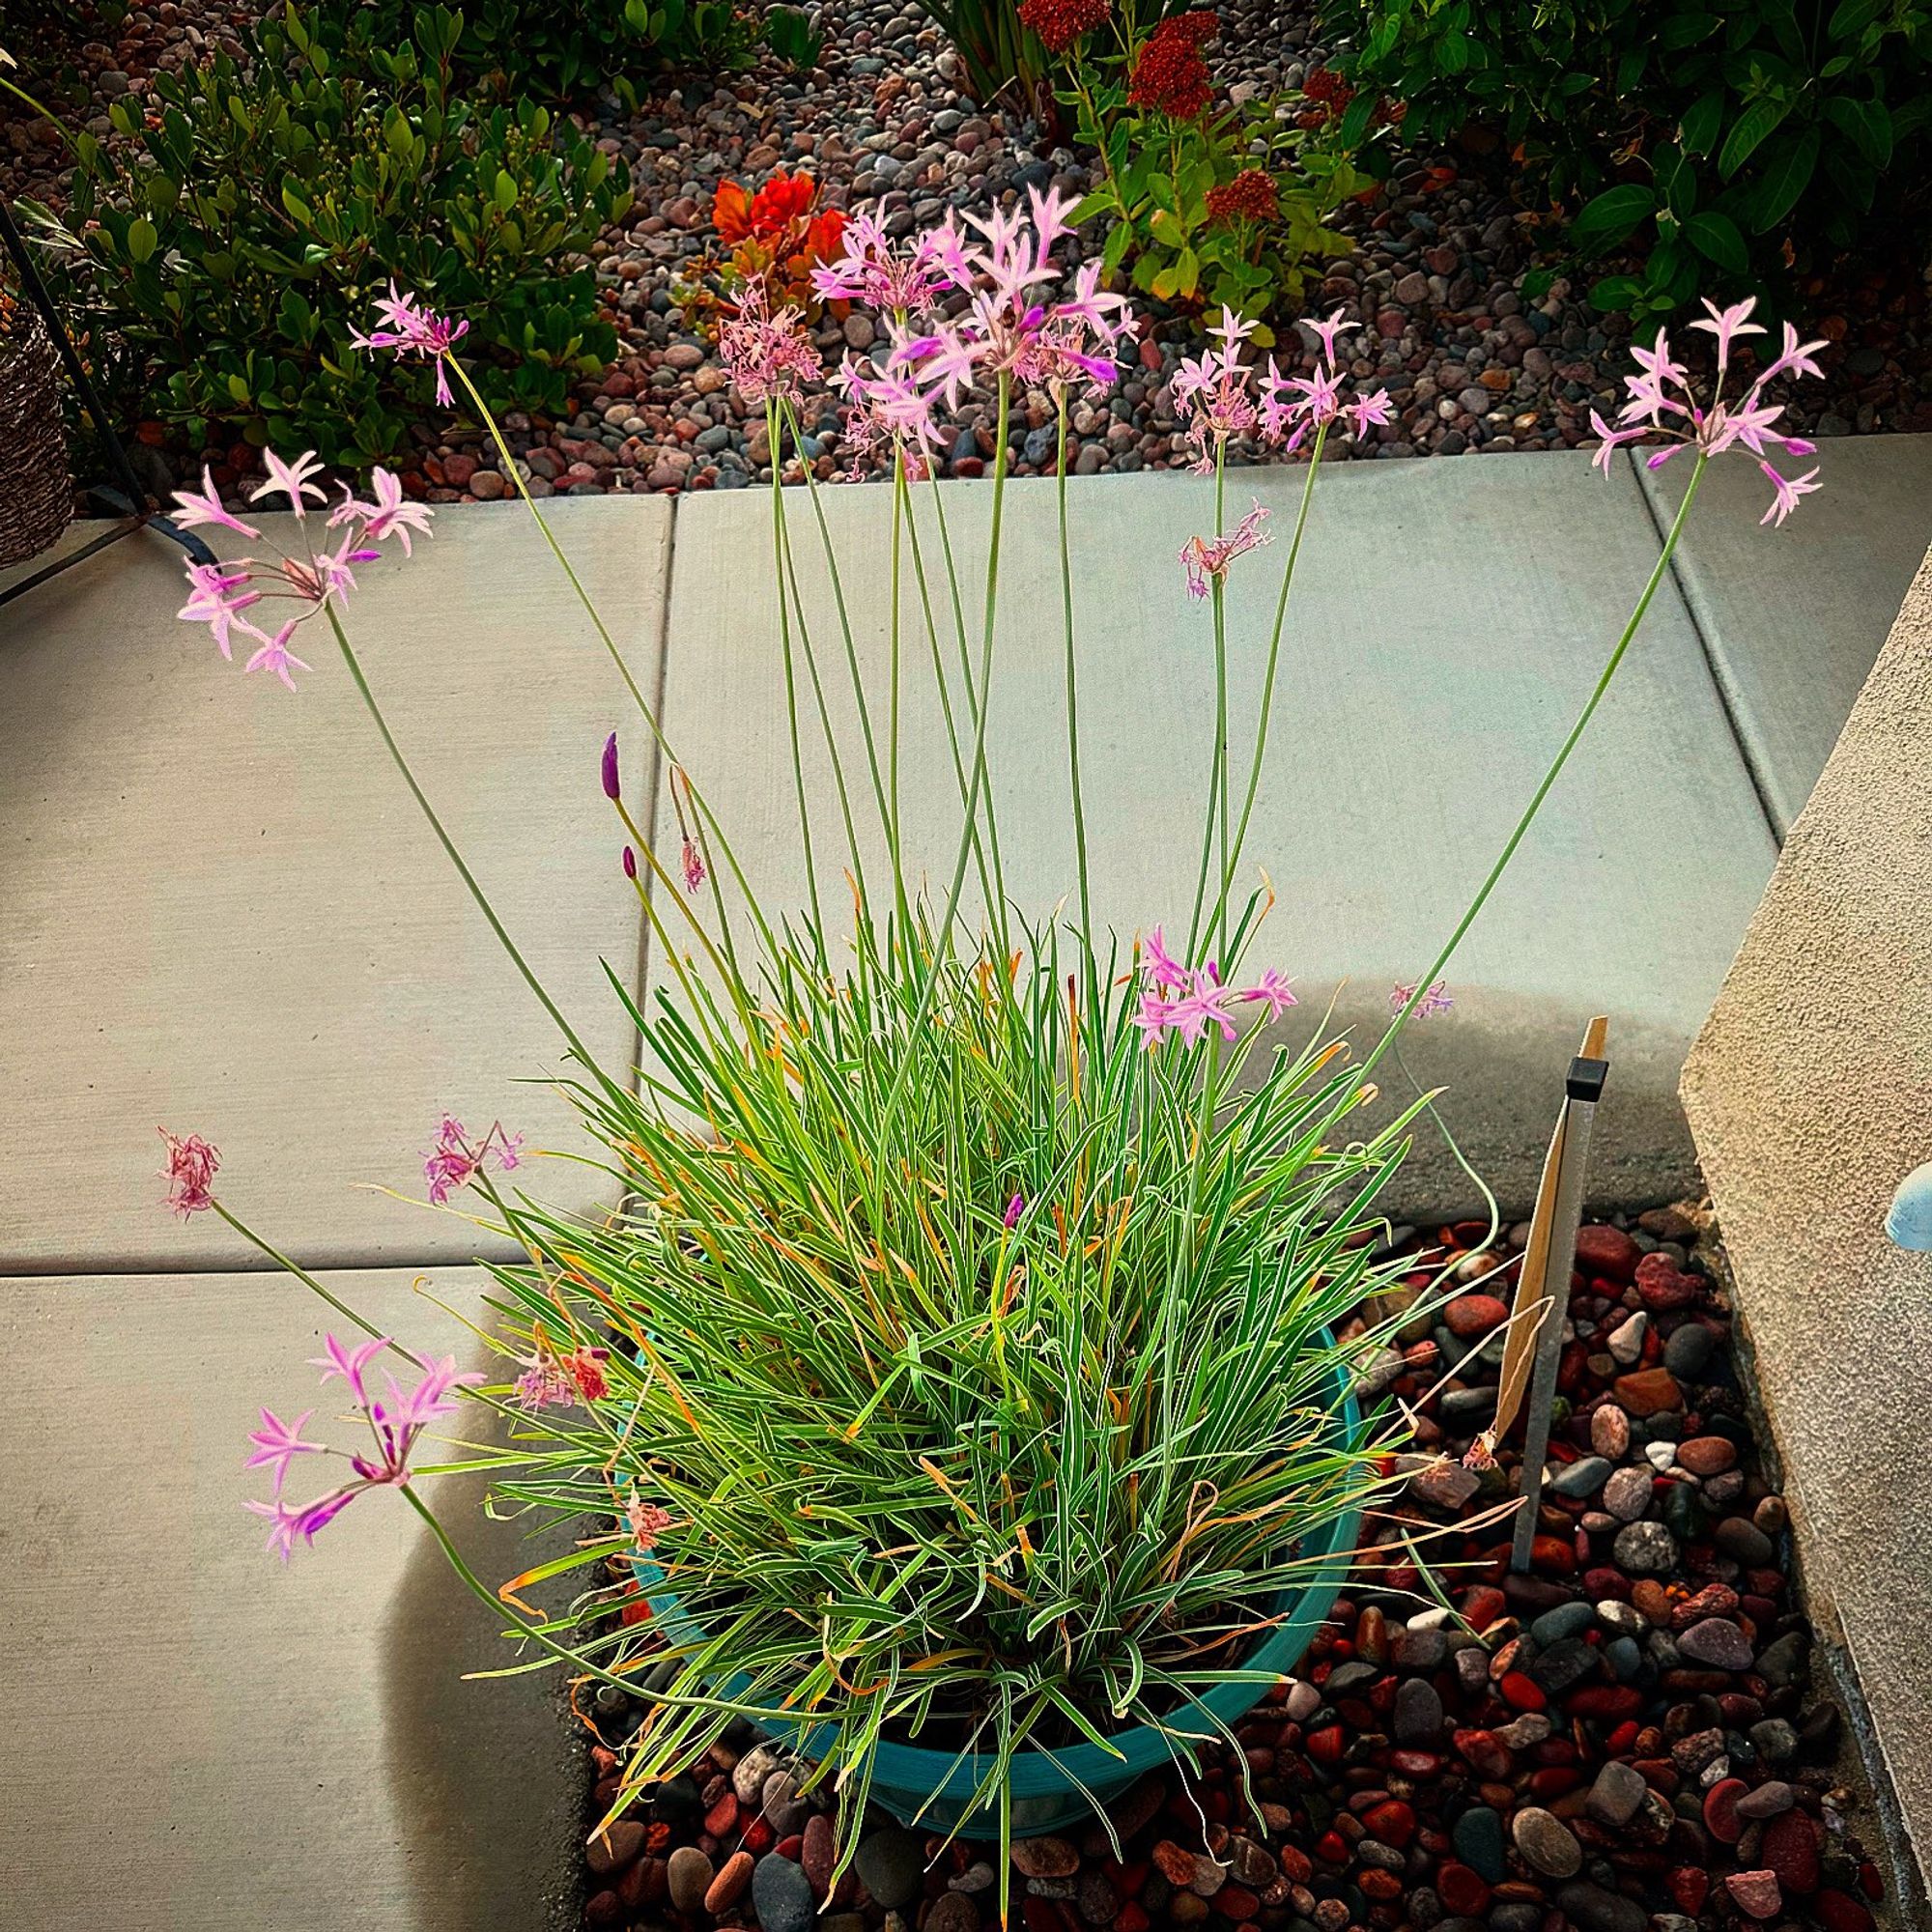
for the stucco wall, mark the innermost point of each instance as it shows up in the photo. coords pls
(1809, 1094)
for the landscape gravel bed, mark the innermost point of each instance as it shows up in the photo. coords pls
(1436, 277)
(1630, 1737)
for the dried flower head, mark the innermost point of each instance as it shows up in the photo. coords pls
(765, 349)
(189, 1173)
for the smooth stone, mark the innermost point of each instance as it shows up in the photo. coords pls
(1566, 1620)
(1626, 1494)
(1744, 1542)
(1418, 1712)
(689, 1877)
(781, 1895)
(1479, 1842)
(1546, 1842)
(1687, 1349)
(1626, 1339)
(1045, 1858)
(1768, 1801)
(1591, 1909)
(1583, 1477)
(891, 1867)
(1616, 1795)
(1755, 1893)
(952, 1912)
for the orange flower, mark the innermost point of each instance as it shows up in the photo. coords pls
(731, 213)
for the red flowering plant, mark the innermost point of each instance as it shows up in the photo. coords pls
(777, 236)
(1208, 205)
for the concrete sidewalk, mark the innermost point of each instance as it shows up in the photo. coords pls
(222, 914)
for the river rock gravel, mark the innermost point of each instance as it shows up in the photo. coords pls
(1593, 1746)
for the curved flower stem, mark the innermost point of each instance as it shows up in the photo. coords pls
(480, 1589)
(942, 936)
(774, 436)
(308, 1281)
(456, 859)
(1073, 712)
(1217, 764)
(1550, 777)
(1267, 681)
(998, 909)
(515, 479)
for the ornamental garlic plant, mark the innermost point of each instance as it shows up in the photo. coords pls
(967, 1365)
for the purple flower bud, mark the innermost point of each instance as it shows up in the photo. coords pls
(610, 766)
(630, 863)
(1016, 1208)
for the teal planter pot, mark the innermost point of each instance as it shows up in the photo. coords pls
(933, 1789)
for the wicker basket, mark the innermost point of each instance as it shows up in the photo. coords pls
(36, 487)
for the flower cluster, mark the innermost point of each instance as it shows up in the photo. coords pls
(219, 593)
(553, 1379)
(455, 1161)
(765, 349)
(1059, 24)
(1189, 1000)
(1435, 1001)
(1214, 393)
(775, 238)
(189, 1173)
(1005, 331)
(1661, 401)
(1206, 558)
(899, 282)
(1169, 74)
(411, 330)
(395, 1422)
(1251, 196)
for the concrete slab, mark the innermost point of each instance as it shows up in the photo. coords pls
(224, 914)
(1793, 618)
(1449, 621)
(1807, 1094)
(205, 1738)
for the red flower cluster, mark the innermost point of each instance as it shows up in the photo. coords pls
(1170, 75)
(1061, 22)
(774, 237)
(1251, 196)
(739, 217)
(1328, 91)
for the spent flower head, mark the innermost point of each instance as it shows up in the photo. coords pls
(189, 1173)
(1205, 559)
(765, 349)
(456, 1159)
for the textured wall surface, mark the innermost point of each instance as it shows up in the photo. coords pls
(1809, 1092)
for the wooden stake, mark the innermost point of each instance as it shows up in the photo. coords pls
(1535, 1344)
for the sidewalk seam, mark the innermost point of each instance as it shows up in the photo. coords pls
(1727, 700)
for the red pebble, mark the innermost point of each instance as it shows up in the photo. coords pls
(1689, 1887)
(1235, 1902)
(1621, 1740)
(791, 1847)
(729, 1887)
(1482, 1606)
(1471, 1314)
(1552, 1552)
(1463, 1892)
(1332, 1848)
(1839, 1912)
(757, 1838)
(1415, 1763)
(1790, 1847)
(1381, 1885)
(1327, 1745)
(721, 1817)
(1608, 1251)
(1484, 1754)
(1393, 1823)
(1605, 1701)
(1521, 1692)
(1296, 1866)
(1721, 1810)
(1131, 1917)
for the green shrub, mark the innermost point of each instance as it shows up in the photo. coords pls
(226, 259)
(1715, 134)
(555, 49)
